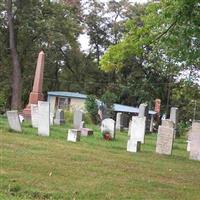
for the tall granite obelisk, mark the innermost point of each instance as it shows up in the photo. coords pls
(36, 94)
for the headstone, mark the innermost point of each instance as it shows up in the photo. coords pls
(151, 124)
(119, 121)
(13, 120)
(73, 135)
(174, 118)
(133, 146)
(129, 128)
(195, 141)
(86, 132)
(60, 118)
(143, 110)
(78, 116)
(51, 116)
(82, 125)
(34, 115)
(138, 129)
(108, 125)
(165, 138)
(43, 118)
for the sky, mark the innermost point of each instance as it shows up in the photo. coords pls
(84, 39)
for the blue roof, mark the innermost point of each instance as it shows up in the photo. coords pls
(67, 94)
(129, 109)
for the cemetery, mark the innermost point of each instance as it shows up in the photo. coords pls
(118, 120)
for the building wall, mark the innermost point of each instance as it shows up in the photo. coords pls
(77, 104)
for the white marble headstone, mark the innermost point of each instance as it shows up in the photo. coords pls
(13, 120)
(73, 135)
(108, 125)
(195, 141)
(138, 126)
(34, 115)
(43, 118)
(133, 146)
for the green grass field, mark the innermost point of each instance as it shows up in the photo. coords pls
(34, 167)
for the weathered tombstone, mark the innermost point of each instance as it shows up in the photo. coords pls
(167, 123)
(86, 132)
(108, 125)
(138, 129)
(43, 118)
(174, 118)
(59, 119)
(165, 138)
(143, 110)
(82, 125)
(78, 116)
(13, 120)
(73, 135)
(133, 146)
(34, 115)
(119, 121)
(195, 141)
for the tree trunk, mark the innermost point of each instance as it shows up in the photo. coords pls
(16, 72)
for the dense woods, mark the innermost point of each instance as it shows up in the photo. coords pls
(137, 52)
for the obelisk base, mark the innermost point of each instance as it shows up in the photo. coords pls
(33, 99)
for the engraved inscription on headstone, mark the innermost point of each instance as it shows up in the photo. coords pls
(164, 140)
(43, 118)
(13, 120)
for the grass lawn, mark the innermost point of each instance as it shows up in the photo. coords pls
(34, 167)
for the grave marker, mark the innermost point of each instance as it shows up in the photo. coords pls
(13, 120)
(34, 115)
(77, 119)
(43, 118)
(108, 125)
(73, 135)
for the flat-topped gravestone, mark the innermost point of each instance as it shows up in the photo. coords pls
(13, 120)
(164, 140)
(138, 125)
(108, 125)
(73, 135)
(34, 115)
(59, 119)
(119, 121)
(43, 118)
(78, 117)
(86, 132)
(133, 146)
(195, 141)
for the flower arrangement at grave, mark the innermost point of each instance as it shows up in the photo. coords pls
(106, 135)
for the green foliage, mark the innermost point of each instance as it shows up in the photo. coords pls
(92, 107)
(108, 99)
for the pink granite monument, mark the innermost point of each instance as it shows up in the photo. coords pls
(36, 94)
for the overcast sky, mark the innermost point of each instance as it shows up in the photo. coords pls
(84, 40)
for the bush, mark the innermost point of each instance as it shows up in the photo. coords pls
(92, 108)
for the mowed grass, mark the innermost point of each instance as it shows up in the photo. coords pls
(34, 167)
